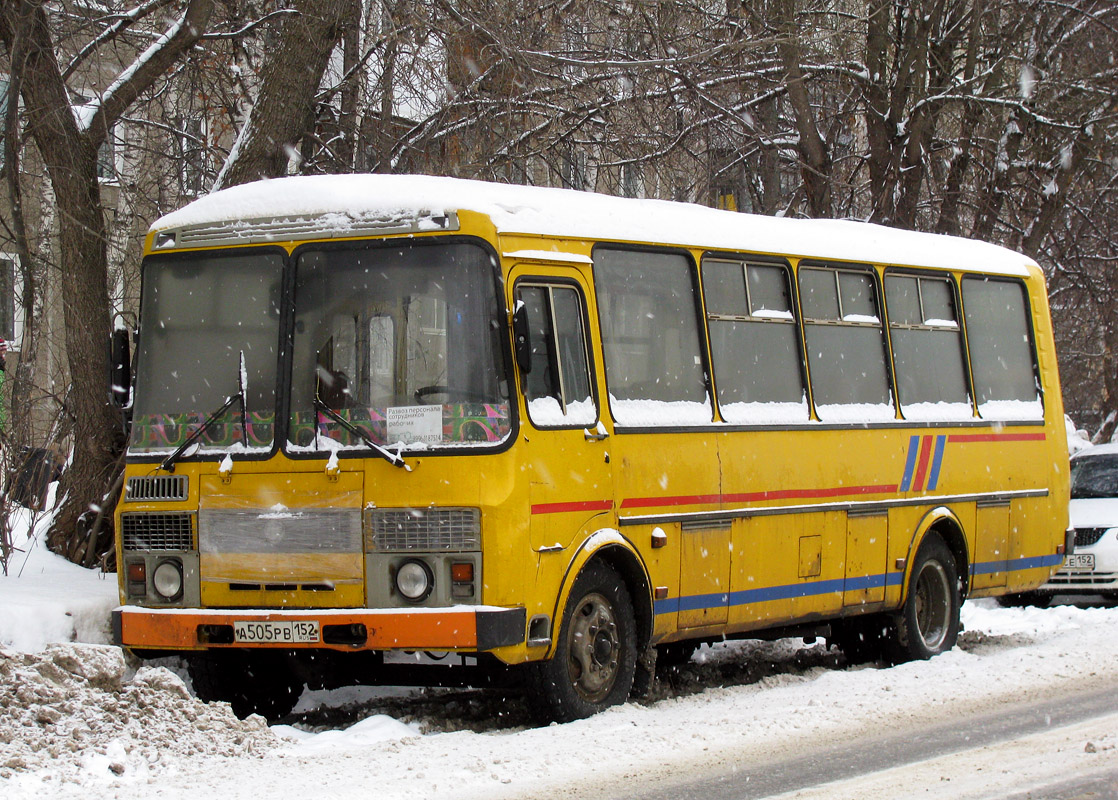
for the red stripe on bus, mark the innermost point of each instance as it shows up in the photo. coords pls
(964, 438)
(580, 505)
(922, 466)
(809, 494)
(747, 497)
(650, 502)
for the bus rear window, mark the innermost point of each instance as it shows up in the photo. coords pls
(1001, 350)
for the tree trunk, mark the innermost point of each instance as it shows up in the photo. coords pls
(70, 156)
(815, 158)
(284, 111)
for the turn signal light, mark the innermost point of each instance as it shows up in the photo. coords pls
(137, 578)
(462, 573)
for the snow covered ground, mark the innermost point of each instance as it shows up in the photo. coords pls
(77, 720)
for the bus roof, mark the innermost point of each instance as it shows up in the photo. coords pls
(340, 201)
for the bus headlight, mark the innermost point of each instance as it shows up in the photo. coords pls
(167, 579)
(414, 580)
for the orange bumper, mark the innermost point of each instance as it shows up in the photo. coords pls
(462, 628)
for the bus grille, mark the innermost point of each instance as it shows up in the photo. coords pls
(157, 531)
(336, 530)
(389, 530)
(1088, 536)
(160, 487)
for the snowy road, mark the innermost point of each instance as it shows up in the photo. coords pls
(998, 754)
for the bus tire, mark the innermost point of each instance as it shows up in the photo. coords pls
(596, 657)
(251, 683)
(928, 623)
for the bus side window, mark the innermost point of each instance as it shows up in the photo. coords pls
(845, 345)
(754, 343)
(557, 387)
(927, 347)
(1001, 350)
(650, 337)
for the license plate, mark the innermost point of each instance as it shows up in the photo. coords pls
(1080, 562)
(282, 632)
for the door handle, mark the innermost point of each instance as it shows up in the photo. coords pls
(597, 434)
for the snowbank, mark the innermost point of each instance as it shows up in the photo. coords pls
(76, 713)
(45, 598)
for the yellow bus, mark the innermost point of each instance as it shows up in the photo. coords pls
(550, 435)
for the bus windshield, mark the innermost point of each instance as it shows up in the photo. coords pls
(200, 315)
(400, 343)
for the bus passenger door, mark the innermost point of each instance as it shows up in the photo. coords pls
(867, 542)
(704, 573)
(564, 441)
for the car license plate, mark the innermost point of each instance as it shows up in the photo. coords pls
(1080, 562)
(280, 632)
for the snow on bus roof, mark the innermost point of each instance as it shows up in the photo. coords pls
(587, 215)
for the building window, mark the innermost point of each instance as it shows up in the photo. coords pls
(190, 145)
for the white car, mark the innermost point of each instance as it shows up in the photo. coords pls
(1093, 568)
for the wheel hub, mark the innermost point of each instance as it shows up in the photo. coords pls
(594, 648)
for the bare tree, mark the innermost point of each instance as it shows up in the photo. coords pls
(284, 112)
(68, 139)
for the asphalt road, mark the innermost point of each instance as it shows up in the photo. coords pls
(1022, 752)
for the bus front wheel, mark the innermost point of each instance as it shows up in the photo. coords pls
(596, 657)
(928, 623)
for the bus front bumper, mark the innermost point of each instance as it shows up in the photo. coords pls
(457, 628)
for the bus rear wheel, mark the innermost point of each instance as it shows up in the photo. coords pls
(596, 657)
(928, 624)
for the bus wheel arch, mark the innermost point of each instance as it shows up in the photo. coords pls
(602, 629)
(595, 654)
(944, 523)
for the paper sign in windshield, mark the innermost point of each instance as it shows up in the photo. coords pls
(411, 424)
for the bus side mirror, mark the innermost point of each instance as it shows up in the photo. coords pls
(120, 366)
(522, 338)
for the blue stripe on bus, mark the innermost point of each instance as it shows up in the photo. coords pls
(1032, 562)
(910, 465)
(833, 586)
(937, 461)
(786, 592)
(695, 602)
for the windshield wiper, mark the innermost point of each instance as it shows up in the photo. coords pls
(168, 464)
(395, 459)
